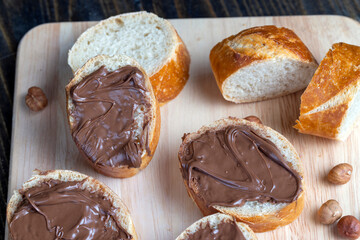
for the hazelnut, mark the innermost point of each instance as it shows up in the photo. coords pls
(36, 99)
(340, 174)
(329, 212)
(349, 227)
(253, 119)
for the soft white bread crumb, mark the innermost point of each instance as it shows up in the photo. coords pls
(213, 221)
(152, 41)
(140, 35)
(261, 63)
(268, 79)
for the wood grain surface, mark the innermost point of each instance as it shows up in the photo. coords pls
(156, 197)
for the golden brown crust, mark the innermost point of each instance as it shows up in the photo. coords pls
(270, 222)
(337, 72)
(253, 45)
(154, 135)
(258, 223)
(172, 77)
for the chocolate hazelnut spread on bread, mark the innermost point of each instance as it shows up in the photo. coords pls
(231, 166)
(222, 231)
(65, 210)
(109, 108)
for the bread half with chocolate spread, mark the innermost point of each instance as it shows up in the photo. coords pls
(150, 40)
(330, 105)
(243, 169)
(113, 115)
(260, 63)
(217, 226)
(62, 204)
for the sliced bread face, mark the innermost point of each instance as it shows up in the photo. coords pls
(261, 63)
(151, 41)
(212, 222)
(260, 217)
(148, 114)
(330, 106)
(121, 213)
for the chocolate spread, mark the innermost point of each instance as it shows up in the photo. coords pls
(223, 231)
(106, 105)
(232, 166)
(62, 210)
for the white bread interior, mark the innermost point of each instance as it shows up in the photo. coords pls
(214, 220)
(111, 64)
(260, 217)
(152, 41)
(122, 215)
(140, 35)
(268, 79)
(261, 63)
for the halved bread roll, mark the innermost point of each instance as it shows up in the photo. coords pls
(261, 63)
(68, 205)
(150, 40)
(330, 105)
(217, 226)
(113, 115)
(243, 169)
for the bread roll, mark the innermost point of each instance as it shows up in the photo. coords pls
(150, 40)
(243, 169)
(214, 226)
(67, 204)
(330, 105)
(113, 115)
(261, 63)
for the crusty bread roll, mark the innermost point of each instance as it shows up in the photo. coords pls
(213, 221)
(330, 105)
(261, 63)
(121, 213)
(150, 40)
(259, 216)
(141, 113)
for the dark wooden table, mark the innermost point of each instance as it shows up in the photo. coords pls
(19, 16)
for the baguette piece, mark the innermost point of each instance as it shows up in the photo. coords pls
(330, 105)
(121, 213)
(260, 63)
(140, 114)
(260, 216)
(150, 40)
(213, 222)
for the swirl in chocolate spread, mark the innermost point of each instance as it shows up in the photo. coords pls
(107, 106)
(232, 166)
(223, 231)
(63, 210)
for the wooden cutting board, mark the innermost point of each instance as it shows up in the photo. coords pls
(157, 199)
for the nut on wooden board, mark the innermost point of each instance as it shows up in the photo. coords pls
(349, 227)
(36, 99)
(329, 212)
(340, 174)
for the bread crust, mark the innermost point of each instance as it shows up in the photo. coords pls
(258, 223)
(168, 79)
(338, 74)
(122, 215)
(228, 56)
(155, 122)
(172, 77)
